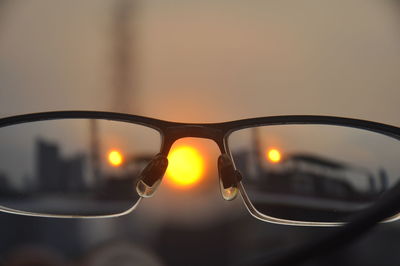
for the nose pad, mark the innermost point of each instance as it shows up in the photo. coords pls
(228, 177)
(151, 176)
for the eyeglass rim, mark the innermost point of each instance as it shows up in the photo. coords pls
(225, 127)
(219, 132)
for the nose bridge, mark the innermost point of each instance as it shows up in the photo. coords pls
(229, 177)
(172, 134)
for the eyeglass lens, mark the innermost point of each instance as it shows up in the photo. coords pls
(82, 167)
(314, 173)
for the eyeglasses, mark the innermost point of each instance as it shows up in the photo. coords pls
(293, 170)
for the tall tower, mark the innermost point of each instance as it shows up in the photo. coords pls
(123, 75)
(95, 152)
(124, 71)
(256, 151)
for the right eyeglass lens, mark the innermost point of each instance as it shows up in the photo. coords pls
(314, 173)
(79, 167)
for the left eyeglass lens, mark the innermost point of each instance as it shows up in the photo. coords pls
(73, 167)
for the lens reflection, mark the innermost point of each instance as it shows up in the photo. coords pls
(314, 173)
(83, 167)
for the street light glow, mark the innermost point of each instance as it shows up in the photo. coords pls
(115, 158)
(273, 155)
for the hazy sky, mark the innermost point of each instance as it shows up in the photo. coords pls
(206, 60)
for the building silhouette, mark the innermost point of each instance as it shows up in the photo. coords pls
(5, 186)
(55, 173)
(310, 175)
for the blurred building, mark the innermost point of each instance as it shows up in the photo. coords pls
(5, 187)
(55, 173)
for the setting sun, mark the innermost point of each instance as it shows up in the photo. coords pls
(185, 167)
(115, 158)
(273, 155)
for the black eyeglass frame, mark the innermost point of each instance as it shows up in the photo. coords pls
(217, 132)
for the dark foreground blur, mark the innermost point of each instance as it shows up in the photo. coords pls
(40, 241)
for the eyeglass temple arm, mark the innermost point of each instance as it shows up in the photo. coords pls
(388, 206)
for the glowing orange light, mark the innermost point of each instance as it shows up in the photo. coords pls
(185, 166)
(115, 158)
(274, 155)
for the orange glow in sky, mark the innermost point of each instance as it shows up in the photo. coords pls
(115, 158)
(185, 166)
(273, 155)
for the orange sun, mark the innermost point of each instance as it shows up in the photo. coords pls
(185, 166)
